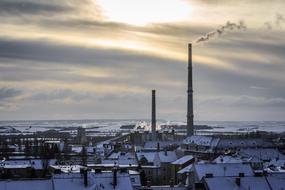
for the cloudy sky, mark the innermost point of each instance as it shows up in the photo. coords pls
(79, 59)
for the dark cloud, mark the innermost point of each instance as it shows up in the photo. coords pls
(245, 101)
(214, 2)
(168, 29)
(279, 19)
(125, 68)
(60, 94)
(52, 52)
(15, 8)
(277, 23)
(8, 93)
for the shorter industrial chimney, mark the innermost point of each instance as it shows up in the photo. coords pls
(153, 117)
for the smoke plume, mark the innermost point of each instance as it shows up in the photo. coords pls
(229, 26)
(268, 25)
(279, 21)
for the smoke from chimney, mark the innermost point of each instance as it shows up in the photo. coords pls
(279, 19)
(229, 26)
(278, 22)
(268, 25)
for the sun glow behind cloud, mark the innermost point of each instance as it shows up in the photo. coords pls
(142, 12)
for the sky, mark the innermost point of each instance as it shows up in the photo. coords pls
(100, 59)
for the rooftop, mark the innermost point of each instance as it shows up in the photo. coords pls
(225, 169)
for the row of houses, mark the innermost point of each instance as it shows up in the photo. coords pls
(196, 162)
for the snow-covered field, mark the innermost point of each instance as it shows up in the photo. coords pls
(114, 125)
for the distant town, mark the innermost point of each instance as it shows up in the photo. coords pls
(141, 156)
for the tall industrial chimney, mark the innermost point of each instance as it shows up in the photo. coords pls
(190, 115)
(153, 116)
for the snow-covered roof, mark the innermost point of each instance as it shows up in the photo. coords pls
(122, 155)
(71, 181)
(76, 149)
(34, 163)
(261, 153)
(110, 165)
(121, 158)
(167, 188)
(227, 183)
(34, 184)
(68, 168)
(183, 160)
(225, 169)
(242, 143)
(228, 159)
(53, 142)
(167, 156)
(187, 169)
(162, 144)
(132, 161)
(114, 155)
(158, 157)
(276, 162)
(276, 181)
(135, 178)
(202, 140)
(148, 155)
(133, 172)
(103, 181)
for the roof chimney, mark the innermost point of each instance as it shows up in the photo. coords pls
(165, 152)
(190, 115)
(85, 176)
(171, 183)
(238, 181)
(153, 117)
(115, 177)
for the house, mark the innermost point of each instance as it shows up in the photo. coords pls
(135, 179)
(73, 181)
(179, 164)
(201, 146)
(24, 168)
(155, 164)
(183, 174)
